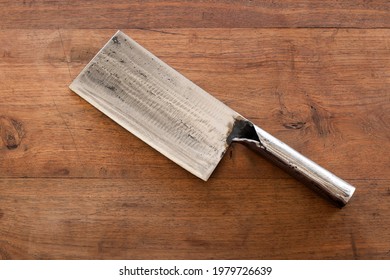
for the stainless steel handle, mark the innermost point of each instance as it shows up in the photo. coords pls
(299, 166)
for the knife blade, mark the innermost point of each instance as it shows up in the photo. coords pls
(176, 117)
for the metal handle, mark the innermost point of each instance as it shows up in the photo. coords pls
(299, 166)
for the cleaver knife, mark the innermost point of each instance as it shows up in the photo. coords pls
(157, 104)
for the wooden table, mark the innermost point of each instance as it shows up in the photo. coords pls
(75, 185)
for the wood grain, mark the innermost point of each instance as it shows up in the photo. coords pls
(74, 185)
(143, 14)
(187, 219)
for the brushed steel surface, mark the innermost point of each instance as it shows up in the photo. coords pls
(157, 104)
